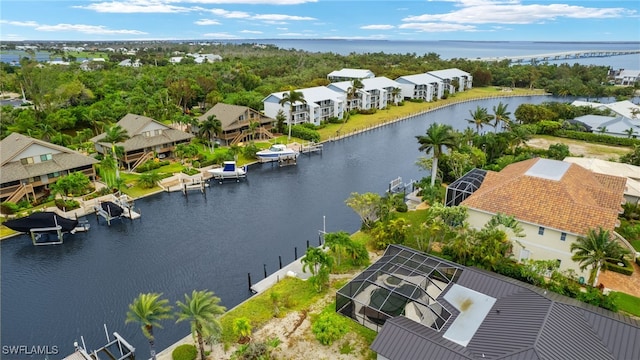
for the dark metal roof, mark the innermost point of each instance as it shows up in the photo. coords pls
(525, 323)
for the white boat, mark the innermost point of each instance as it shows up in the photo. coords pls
(277, 152)
(229, 171)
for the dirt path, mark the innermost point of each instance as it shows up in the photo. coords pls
(581, 148)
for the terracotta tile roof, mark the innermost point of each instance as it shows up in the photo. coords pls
(578, 201)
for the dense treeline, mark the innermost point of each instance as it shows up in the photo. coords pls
(70, 105)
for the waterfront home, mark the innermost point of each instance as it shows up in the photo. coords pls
(619, 126)
(205, 58)
(376, 93)
(424, 307)
(129, 63)
(350, 74)
(631, 172)
(147, 138)
(454, 80)
(30, 165)
(424, 87)
(623, 108)
(236, 123)
(627, 77)
(321, 104)
(555, 202)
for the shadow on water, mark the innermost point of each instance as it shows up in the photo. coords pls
(52, 295)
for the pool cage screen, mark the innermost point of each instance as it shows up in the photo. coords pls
(403, 282)
(462, 188)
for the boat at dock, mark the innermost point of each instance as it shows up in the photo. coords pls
(229, 170)
(115, 207)
(47, 227)
(277, 152)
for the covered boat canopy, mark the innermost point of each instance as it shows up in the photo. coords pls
(41, 220)
(113, 209)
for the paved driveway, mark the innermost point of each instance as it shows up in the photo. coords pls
(623, 283)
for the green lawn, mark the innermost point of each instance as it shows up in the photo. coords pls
(628, 303)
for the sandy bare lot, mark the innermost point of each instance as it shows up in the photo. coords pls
(580, 148)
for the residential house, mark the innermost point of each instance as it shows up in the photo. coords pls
(205, 58)
(615, 126)
(631, 172)
(376, 93)
(129, 63)
(350, 74)
(454, 80)
(623, 108)
(555, 202)
(424, 307)
(236, 121)
(30, 165)
(322, 104)
(627, 77)
(424, 86)
(147, 137)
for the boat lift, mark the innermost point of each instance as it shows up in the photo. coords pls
(116, 349)
(115, 208)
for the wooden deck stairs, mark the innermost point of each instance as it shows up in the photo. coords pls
(21, 191)
(260, 133)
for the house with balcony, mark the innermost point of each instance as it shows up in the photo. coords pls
(424, 86)
(454, 80)
(321, 104)
(425, 307)
(147, 138)
(555, 202)
(350, 74)
(30, 166)
(236, 123)
(376, 93)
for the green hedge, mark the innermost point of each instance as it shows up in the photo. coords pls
(598, 138)
(184, 352)
(305, 133)
(151, 165)
(627, 269)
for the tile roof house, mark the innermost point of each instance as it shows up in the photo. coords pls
(631, 172)
(350, 74)
(236, 120)
(146, 138)
(485, 315)
(29, 165)
(556, 202)
(322, 103)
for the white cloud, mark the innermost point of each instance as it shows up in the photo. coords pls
(437, 27)
(514, 12)
(220, 36)
(281, 17)
(230, 14)
(19, 23)
(248, 2)
(282, 29)
(276, 22)
(133, 6)
(87, 29)
(205, 22)
(377, 27)
(251, 32)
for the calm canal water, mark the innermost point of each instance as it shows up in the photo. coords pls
(53, 295)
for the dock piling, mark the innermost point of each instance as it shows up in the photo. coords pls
(249, 279)
(265, 270)
(295, 249)
(280, 261)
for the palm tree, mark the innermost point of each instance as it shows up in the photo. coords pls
(437, 136)
(480, 117)
(202, 310)
(501, 115)
(113, 135)
(630, 132)
(291, 97)
(147, 310)
(395, 92)
(352, 91)
(211, 126)
(594, 249)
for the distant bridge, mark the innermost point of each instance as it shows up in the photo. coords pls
(568, 55)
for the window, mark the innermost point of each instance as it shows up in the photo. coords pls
(26, 161)
(563, 236)
(45, 157)
(540, 230)
(53, 175)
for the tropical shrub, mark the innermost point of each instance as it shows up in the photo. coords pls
(305, 133)
(9, 208)
(627, 269)
(597, 138)
(329, 327)
(184, 352)
(151, 165)
(66, 205)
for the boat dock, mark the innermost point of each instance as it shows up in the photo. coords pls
(112, 207)
(293, 269)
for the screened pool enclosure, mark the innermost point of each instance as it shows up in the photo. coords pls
(403, 282)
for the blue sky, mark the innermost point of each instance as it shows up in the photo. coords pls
(479, 20)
